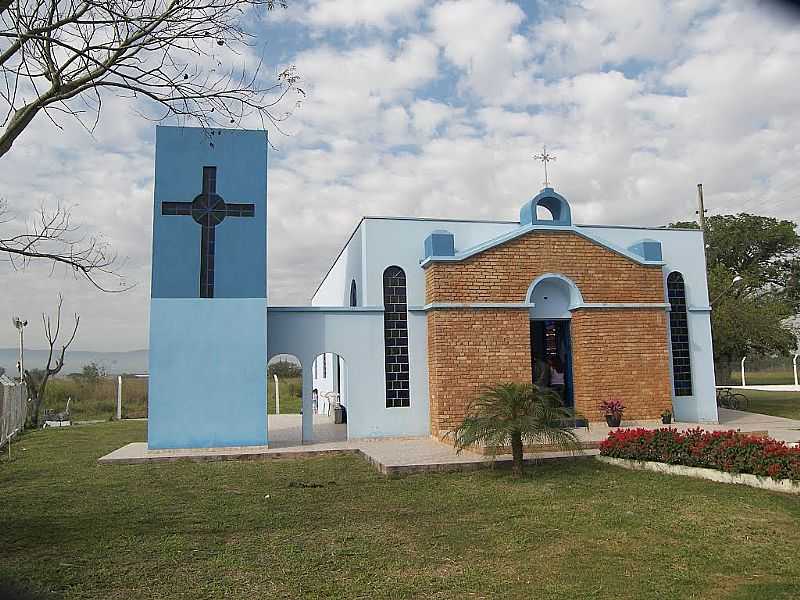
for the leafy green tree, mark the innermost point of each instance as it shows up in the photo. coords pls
(284, 368)
(752, 316)
(92, 373)
(515, 414)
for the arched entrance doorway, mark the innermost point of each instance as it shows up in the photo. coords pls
(553, 296)
(329, 399)
(284, 400)
(326, 376)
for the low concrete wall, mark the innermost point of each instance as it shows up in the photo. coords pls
(765, 483)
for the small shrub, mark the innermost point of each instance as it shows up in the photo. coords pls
(729, 451)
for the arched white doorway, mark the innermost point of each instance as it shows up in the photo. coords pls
(329, 397)
(553, 297)
(284, 400)
(326, 378)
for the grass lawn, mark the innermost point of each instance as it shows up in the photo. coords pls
(97, 400)
(778, 404)
(291, 402)
(334, 528)
(763, 377)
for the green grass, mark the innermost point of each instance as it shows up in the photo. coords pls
(291, 400)
(778, 404)
(97, 400)
(208, 530)
(763, 377)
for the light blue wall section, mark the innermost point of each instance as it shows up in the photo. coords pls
(207, 373)
(357, 336)
(401, 242)
(702, 406)
(240, 249)
(440, 243)
(554, 202)
(648, 250)
(348, 266)
(552, 298)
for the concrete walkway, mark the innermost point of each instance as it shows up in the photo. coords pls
(395, 456)
(787, 430)
(391, 456)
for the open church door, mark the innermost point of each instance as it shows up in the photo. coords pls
(551, 350)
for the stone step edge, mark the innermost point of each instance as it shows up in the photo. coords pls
(765, 483)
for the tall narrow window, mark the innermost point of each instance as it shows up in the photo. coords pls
(353, 293)
(395, 337)
(324, 366)
(679, 335)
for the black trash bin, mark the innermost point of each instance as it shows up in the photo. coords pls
(339, 414)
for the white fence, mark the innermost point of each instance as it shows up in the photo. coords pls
(13, 407)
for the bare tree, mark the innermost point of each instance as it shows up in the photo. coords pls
(62, 56)
(36, 380)
(52, 237)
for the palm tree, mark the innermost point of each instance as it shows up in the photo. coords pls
(514, 414)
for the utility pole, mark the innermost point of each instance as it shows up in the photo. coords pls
(20, 324)
(701, 207)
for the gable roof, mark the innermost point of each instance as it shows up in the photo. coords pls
(523, 229)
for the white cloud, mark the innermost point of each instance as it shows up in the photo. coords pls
(350, 13)
(639, 102)
(479, 37)
(348, 89)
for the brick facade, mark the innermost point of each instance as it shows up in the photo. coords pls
(618, 353)
(621, 354)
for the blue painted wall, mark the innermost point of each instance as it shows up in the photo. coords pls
(240, 253)
(208, 355)
(207, 373)
(357, 336)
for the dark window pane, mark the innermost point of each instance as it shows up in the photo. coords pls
(395, 335)
(679, 334)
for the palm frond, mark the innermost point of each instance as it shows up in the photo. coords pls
(504, 409)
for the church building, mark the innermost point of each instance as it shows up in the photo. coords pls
(415, 315)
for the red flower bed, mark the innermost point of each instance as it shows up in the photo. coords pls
(729, 451)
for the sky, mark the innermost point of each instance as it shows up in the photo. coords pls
(435, 109)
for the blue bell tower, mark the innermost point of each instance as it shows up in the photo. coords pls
(209, 286)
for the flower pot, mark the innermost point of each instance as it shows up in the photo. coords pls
(613, 420)
(666, 420)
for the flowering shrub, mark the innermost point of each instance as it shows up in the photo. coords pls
(729, 451)
(612, 408)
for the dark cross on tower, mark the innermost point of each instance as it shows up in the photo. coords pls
(209, 210)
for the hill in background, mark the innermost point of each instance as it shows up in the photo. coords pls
(134, 361)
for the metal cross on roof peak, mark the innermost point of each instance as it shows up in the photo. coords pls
(545, 158)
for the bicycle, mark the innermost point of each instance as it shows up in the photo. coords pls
(727, 398)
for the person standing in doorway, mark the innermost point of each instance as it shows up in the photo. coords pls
(556, 376)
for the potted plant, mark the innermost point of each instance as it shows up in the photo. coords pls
(612, 410)
(666, 416)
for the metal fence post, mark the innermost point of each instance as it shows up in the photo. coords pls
(119, 397)
(277, 395)
(744, 384)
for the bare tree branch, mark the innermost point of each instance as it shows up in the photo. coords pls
(36, 380)
(53, 237)
(56, 52)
